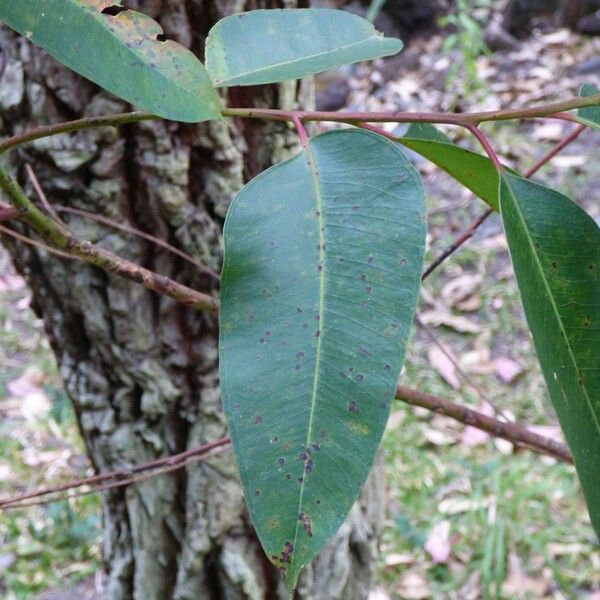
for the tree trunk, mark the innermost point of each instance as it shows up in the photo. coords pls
(140, 369)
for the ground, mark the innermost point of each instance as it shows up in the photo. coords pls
(468, 517)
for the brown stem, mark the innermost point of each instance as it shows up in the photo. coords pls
(508, 431)
(63, 239)
(42, 195)
(137, 232)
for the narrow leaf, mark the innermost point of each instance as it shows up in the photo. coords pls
(555, 249)
(323, 256)
(121, 53)
(472, 170)
(589, 116)
(267, 46)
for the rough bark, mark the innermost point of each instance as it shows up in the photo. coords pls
(141, 370)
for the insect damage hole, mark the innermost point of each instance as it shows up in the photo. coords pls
(113, 10)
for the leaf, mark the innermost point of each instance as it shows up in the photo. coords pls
(121, 53)
(589, 116)
(267, 46)
(323, 255)
(555, 249)
(472, 170)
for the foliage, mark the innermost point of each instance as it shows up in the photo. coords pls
(323, 257)
(324, 346)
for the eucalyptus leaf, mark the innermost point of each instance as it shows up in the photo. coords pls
(555, 250)
(267, 46)
(121, 53)
(323, 257)
(590, 115)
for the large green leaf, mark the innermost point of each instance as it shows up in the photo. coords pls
(555, 249)
(472, 170)
(267, 46)
(589, 116)
(323, 256)
(120, 53)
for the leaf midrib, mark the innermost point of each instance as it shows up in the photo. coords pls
(310, 159)
(552, 302)
(233, 80)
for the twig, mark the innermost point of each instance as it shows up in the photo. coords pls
(129, 229)
(42, 196)
(63, 239)
(122, 474)
(36, 243)
(508, 431)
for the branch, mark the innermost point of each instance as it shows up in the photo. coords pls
(509, 431)
(63, 240)
(77, 125)
(551, 110)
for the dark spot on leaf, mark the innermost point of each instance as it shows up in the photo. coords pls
(316, 446)
(317, 317)
(306, 523)
(342, 374)
(281, 461)
(355, 207)
(303, 456)
(267, 333)
(257, 493)
(587, 321)
(299, 355)
(288, 476)
(300, 479)
(403, 262)
(370, 260)
(364, 352)
(350, 369)
(262, 340)
(308, 466)
(318, 502)
(387, 367)
(258, 420)
(353, 407)
(273, 440)
(161, 37)
(318, 333)
(554, 265)
(363, 277)
(368, 289)
(360, 377)
(298, 367)
(286, 447)
(286, 553)
(304, 325)
(318, 213)
(320, 268)
(590, 267)
(298, 309)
